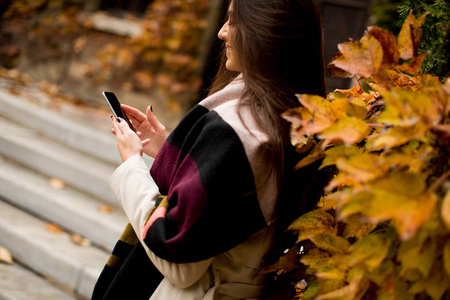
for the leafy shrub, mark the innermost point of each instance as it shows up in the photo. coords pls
(383, 229)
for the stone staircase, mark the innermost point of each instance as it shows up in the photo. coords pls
(58, 217)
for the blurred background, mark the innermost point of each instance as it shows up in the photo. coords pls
(155, 52)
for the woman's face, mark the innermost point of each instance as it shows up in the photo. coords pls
(226, 34)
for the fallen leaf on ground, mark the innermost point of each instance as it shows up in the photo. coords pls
(56, 183)
(105, 209)
(5, 256)
(79, 240)
(53, 228)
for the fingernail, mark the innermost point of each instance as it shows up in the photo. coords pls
(119, 119)
(111, 116)
(151, 108)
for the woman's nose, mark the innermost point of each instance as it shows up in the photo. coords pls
(223, 32)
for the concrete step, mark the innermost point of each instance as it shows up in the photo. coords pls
(50, 253)
(30, 148)
(77, 133)
(73, 210)
(19, 283)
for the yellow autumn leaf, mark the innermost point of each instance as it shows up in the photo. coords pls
(446, 257)
(323, 108)
(411, 158)
(402, 198)
(331, 243)
(370, 251)
(406, 108)
(438, 282)
(409, 36)
(354, 290)
(445, 211)
(416, 255)
(397, 136)
(356, 227)
(313, 222)
(316, 154)
(362, 168)
(338, 151)
(361, 57)
(350, 130)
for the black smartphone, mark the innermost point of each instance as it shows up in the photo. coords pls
(116, 109)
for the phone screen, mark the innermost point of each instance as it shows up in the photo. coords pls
(114, 104)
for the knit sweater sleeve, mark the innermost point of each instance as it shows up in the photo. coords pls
(137, 192)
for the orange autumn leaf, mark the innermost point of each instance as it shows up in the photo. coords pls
(56, 183)
(361, 57)
(414, 66)
(53, 228)
(409, 36)
(5, 256)
(105, 209)
(79, 240)
(388, 42)
(335, 71)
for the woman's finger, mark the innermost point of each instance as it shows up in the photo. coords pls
(154, 122)
(116, 128)
(134, 114)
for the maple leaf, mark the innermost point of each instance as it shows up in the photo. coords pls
(406, 108)
(316, 154)
(409, 36)
(312, 223)
(407, 157)
(335, 71)
(414, 66)
(331, 243)
(406, 203)
(356, 227)
(350, 130)
(317, 113)
(397, 136)
(388, 43)
(370, 251)
(355, 290)
(415, 254)
(361, 57)
(339, 151)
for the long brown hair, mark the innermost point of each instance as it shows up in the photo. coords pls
(279, 44)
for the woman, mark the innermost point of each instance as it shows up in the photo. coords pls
(222, 185)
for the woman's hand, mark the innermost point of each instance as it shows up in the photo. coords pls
(128, 142)
(149, 126)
